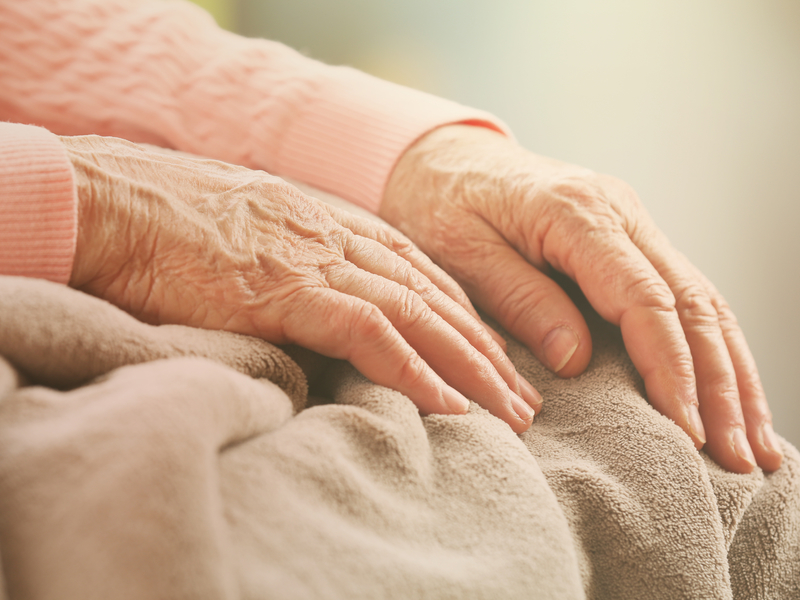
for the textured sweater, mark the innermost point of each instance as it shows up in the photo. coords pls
(164, 73)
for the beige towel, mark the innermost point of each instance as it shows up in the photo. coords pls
(160, 462)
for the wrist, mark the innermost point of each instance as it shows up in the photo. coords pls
(92, 231)
(437, 161)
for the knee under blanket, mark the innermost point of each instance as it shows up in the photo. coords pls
(168, 462)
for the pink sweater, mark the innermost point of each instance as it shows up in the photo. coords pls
(164, 73)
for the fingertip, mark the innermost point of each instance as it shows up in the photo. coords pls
(566, 353)
(742, 449)
(732, 451)
(767, 448)
(514, 411)
(558, 346)
(529, 393)
(695, 426)
(520, 427)
(523, 410)
(454, 401)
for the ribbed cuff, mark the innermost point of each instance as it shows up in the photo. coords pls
(350, 135)
(38, 204)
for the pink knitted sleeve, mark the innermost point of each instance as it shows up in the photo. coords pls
(163, 72)
(38, 225)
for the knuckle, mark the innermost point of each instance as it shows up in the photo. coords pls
(650, 291)
(413, 371)
(275, 190)
(579, 188)
(580, 230)
(428, 291)
(727, 319)
(602, 201)
(494, 353)
(423, 287)
(404, 273)
(622, 189)
(368, 322)
(412, 309)
(511, 306)
(723, 386)
(695, 306)
(750, 380)
(577, 203)
(305, 219)
(452, 297)
(759, 415)
(594, 192)
(336, 238)
(684, 366)
(396, 241)
(516, 305)
(328, 270)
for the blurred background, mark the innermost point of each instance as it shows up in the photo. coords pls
(696, 104)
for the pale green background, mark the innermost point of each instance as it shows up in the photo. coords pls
(696, 103)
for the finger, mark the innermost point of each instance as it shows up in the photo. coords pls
(717, 391)
(440, 346)
(349, 328)
(717, 387)
(373, 257)
(625, 288)
(757, 416)
(405, 248)
(528, 304)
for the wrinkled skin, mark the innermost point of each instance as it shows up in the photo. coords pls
(175, 239)
(497, 217)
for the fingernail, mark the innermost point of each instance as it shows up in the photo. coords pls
(457, 403)
(529, 393)
(523, 410)
(742, 447)
(696, 424)
(559, 345)
(771, 442)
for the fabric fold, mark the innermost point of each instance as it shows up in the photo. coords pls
(355, 496)
(63, 338)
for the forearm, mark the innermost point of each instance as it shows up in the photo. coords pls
(164, 73)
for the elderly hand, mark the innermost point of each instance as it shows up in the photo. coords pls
(173, 239)
(497, 217)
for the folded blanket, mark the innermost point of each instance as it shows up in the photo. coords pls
(167, 462)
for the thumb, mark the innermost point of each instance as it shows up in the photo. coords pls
(528, 304)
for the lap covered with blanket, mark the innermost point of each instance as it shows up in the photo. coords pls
(170, 462)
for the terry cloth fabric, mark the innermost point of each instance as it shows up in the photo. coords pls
(160, 462)
(164, 73)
